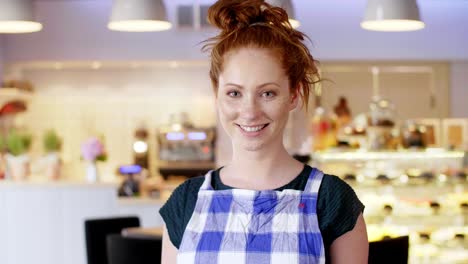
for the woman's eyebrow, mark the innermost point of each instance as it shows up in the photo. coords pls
(259, 86)
(236, 85)
(268, 83)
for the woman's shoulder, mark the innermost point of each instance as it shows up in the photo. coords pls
(189, 186)
(331, 182)
(336, 193)
(184, 192)
(179, 207)
(338, 207)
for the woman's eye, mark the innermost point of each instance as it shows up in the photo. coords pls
(233, 93)
(268, 94)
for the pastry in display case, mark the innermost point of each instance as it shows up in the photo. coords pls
(342, 113)
(322, 130)
(420, 193)
(413, 135)
(409, 184)
(380, 127)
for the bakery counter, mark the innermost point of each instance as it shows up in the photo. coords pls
(43, 222)
(422, 194)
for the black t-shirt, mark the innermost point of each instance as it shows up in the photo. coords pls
(338, 207)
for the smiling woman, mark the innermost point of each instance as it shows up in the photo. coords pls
(254, 100)
(263, 206)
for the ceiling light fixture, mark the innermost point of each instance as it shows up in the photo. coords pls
(392, 15)
(288, 6)
(139, 16)
(17, 16)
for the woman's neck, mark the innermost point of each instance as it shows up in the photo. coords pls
(259, 170)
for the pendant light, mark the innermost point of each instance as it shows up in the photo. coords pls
(139, 16)
(288, 6)
(392, 15)
(17, 16)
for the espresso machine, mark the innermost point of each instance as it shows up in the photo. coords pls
(185, 150)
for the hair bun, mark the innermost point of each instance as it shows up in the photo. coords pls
(228, 15)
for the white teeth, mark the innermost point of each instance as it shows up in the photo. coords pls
(252, 129)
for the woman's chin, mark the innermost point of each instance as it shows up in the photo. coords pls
(250, 146)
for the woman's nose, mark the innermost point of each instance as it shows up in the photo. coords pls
(250, 108)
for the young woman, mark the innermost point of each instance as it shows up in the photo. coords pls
(264, 206)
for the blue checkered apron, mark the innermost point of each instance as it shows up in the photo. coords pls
(255, 227)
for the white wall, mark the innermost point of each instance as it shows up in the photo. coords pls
(459, 89)
(76, 30)
(80, 103)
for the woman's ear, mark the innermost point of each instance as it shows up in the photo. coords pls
(294, 100)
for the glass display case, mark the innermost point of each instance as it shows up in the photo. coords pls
(422, 194)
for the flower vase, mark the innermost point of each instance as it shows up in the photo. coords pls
(92, 174)
(53, 166)
(18, 166)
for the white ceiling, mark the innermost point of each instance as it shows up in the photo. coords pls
(76, 30)
(306, 10)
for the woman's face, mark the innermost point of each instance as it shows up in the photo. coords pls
(253, 98)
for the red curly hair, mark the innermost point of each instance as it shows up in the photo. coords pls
(254, 23)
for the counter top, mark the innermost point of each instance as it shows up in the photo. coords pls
(46, 220)
(429, 154)
(140, 201)
(56, 184)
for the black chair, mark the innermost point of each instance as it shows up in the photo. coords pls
(96, 231)
(391, 250)
(129, 250)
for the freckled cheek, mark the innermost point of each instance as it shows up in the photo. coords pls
(278, 111)
(227, 111)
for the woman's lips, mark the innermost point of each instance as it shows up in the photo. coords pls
(252, 131)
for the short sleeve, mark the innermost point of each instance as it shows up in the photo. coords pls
(178, 209)
(338, 208)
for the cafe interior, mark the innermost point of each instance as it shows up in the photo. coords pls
(102, 117)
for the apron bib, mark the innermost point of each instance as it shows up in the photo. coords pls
(254, 227)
